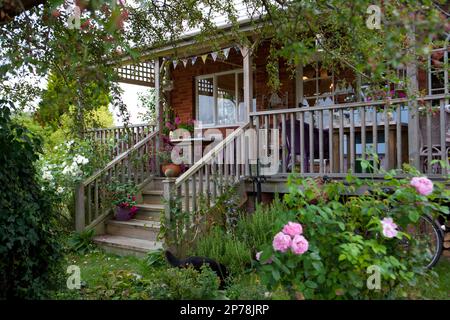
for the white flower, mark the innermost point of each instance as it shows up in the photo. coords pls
(69, 143)
(47, 176)
(60, 190)
(81, 159)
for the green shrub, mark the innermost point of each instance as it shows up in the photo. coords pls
(346, 238)
(255, 229)
(247, 287)
(119, 285)
(81, 242)
(30, 249)
(184, 284)
(224, 248)
(156, 258)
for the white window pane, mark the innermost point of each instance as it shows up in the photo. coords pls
(206, 101)
(226, 99)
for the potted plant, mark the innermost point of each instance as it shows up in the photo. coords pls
(124, 198)
(168, 168)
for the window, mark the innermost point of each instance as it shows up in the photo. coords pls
(220, 99)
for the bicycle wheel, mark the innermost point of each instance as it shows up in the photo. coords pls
(429, 239)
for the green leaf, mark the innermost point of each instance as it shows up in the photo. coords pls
(276, 274)
(414, 216)
(311, 284)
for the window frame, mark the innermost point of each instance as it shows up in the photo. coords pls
(214, 76)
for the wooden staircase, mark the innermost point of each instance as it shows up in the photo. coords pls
(139, 235)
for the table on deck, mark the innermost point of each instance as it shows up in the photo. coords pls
(190, 143)
(369, 130)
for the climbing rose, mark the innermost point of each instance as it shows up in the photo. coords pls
(299, 245)
(281, 242)
(423, 185)
(293, 229)
(389, 228)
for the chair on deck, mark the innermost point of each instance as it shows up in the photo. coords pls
(316, 156)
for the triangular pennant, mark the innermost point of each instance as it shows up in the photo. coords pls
(237, 49)
(193, 59)
(185, 61)
(204, 57)
(214, 55)
(226, 52)
(175, 62)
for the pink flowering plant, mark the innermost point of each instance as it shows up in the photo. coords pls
(324, 242)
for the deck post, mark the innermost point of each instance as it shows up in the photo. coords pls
(79, 208)
(158, 106)
(168, 189)
(248, 79)
(413, 114)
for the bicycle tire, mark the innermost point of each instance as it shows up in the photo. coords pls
(438, 239)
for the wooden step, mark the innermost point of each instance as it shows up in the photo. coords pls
(126, 246)
(134, 228)
(149, 211)
(152, 196)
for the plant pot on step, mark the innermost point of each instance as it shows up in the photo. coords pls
(171, 170)
(125, 213)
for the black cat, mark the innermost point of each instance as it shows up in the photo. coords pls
(197, 263)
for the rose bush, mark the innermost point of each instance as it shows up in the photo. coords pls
(327, 244)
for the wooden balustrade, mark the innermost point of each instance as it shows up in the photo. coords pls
(136, 165)
(222, 167)
(334, 140)
(120, 139)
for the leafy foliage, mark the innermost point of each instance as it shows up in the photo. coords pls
(178, 284)
(30, 249)
(81, 242)
(345, 239)
(224, 248)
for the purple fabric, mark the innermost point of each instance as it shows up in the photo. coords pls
(326, 150)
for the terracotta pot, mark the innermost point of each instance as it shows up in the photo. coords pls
(171, 170)
(124, 213)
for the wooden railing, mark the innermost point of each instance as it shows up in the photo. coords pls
(223, 166)
(342, 138)
(138, 165)
(120, 139)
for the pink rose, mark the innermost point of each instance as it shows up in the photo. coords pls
(258, 257)
(281, 242)
(299, 245)
(293, 229)
(177, 120)
(389, 228)
(423, 185)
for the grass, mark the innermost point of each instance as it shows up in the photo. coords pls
(443, 290)
(97, 268)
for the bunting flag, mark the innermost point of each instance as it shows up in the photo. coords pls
(193, 59)
(204, 57)
(226, 52)
(237, 49)
(185, 61)
(214, 55)
(175, 62)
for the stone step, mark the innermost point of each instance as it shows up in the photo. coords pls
(134, 228)
(149, 211)
(126, 246)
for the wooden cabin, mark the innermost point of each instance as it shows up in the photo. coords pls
(320, 122)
